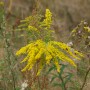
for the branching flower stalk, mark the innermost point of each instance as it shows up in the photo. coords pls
(81, 39)
(44, 50)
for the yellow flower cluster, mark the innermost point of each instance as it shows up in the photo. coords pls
(44, 53)
(48, 19)
(29, 23)
(34, 23)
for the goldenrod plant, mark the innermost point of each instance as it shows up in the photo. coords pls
(42, 48)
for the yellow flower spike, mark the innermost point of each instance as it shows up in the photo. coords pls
(67, 49)
(31, 66)
(31, 45)
(26, 67)
(50, 50)
(25, 59)
(56, 53)
(57, 65)
(31, 60)
(62, 56)
(48, 18)
(40, 67)
(39, 53)
(23, 50)
(48, 57)
(30, 54)
(78, 53)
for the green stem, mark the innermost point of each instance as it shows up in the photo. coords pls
(63, 84)
(7, 46)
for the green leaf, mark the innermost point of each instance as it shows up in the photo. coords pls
(54, 77)
(62, 69)
(68, 78)
(50, 69)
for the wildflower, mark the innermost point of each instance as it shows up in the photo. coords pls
(65, 47)
(41, 51)
(45, 53)
(23, 50)
(70, 43)
(41, 65)
(48, 57)
(48, 19)
(24, 85)
(80, 54)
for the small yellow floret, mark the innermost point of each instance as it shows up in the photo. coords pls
(32, 28)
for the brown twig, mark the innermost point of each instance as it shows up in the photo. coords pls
(85, 79)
